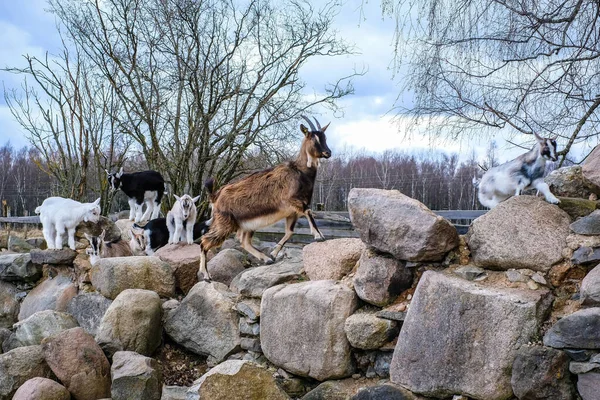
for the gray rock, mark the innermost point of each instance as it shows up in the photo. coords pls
(521, 232)
(174, 392)
(249, 328)
(251, 344)
(367, 332)
(515, 276)
(226, 265)
(383, 362)
(541, 373)
(385, 391)
(132, 322)
(249, 308)
(588, 385)
(205, 322)
(37, 242)
(396, 224)
(580, 330)
(588, 225)
(18, 245)
(19, 268)
(586, 256)
(18, 366)
(579, 355)
(254, 281)
(9, 306)
(52, 294)
(135, 377)
(4, 334)
(331, 259)
(42, 389)
(236, 380)
(469, 272)
(458, 319)
(393, 315)
(88, 309)
(538, 278)
(42, 324)
(310, 312)
(184, 260)
(112, 232)
(590, 287)
(63, 256)
(379, 279)
(111, 276)
(579, 368)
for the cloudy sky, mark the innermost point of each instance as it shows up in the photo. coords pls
(366, 119)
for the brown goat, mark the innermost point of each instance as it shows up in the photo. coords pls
(266, 197)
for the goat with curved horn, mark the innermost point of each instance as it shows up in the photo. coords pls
(265, 197)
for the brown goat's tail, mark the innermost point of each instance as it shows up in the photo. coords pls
(222, 226)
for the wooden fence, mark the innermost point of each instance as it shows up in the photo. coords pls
(332, 224)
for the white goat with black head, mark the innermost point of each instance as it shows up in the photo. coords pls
(524, 172)
(182, 214)
(58, 215)
(100, 249)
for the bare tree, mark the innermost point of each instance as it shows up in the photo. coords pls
(528, 66)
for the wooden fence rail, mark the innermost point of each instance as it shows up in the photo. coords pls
(333, 224)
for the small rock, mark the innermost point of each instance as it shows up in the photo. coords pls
(174, 392)
(247, 328)
(249, 308)
(538, 278)
(392, 315)
(251, 344)
(51, 294)
(366, 331)
(252, 282)
(588, 225)
(588, 385)
(63, 256)
(42, 389)
(17, 244)
(19, 268)
(331, 259)
(469, 272)
(184, 260)
(42, 324)
(515, 276)
(532, 285)
(586, 256)
(579, 368)
(9, 305)
(580, 330)
(226, 265)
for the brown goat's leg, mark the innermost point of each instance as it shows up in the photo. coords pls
(219, 230)
(247, 245)
(313, 225)
(290, 223)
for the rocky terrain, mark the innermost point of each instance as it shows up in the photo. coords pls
(411, 310)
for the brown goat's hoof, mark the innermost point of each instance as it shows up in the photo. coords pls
(269, 261)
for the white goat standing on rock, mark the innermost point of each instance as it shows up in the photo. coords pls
(58, 214)
(524, 172)
(183, 213)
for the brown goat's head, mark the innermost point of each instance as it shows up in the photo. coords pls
(315, 142)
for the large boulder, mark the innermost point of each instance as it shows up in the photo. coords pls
(588, 385)
(132, 322)
(135, 377)
(236, 380)
(540, 373)
(19, 268)
(52, 294)
(42, 324)
(380, 278)
(42, 389)
(111, 276)
(591, 169)
(590, 287)
(309, 312)
(205, 322)
(450, 342)
(18, 366)
(570, 182)
(226, 265)
(252, 282)
(331, 259)
(184, 259)
(580, 330)
(63, 256)
(79, 363)
(88, 309)
(521, 232)
(394, 223)
(9, 306)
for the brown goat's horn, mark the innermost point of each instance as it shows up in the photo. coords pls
(312, 127)
(318, 124)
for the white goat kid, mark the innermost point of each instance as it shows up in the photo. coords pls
(524, 172)
(58, 214)
(183, 212)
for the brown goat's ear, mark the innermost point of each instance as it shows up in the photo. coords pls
(304, 130)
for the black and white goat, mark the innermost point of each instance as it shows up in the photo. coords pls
(100, 249)
(58, 215)
(182, 214)
(155, 234)
(140, 187)
(265, 197)
(524, 172)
